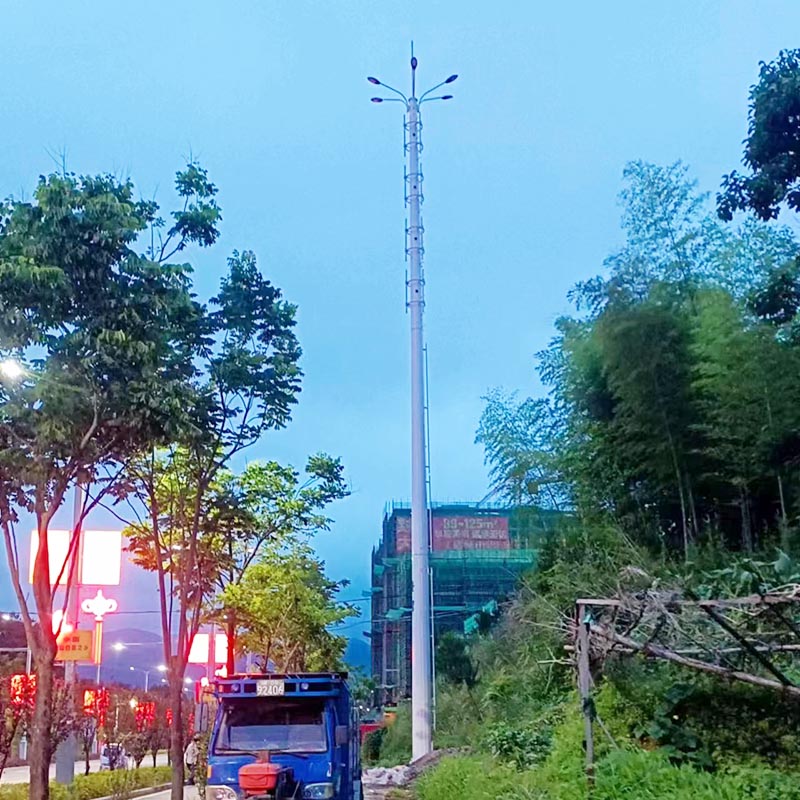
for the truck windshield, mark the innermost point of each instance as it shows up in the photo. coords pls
(253, 725)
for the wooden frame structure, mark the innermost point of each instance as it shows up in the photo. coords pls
(733, 639)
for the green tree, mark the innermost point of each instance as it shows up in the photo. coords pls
(772, 146)
(660, 417)
(105, 336)
(746, 381)
(646, 360)
(453, 661)
(266, 506)
(286, 608)
(245, 381)
(520, 443)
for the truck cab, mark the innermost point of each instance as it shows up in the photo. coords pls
(279, 736)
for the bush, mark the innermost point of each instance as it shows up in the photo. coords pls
(520, 747)
(119, 784)
(458, 716)
(371, 750)
(473, 778)
(396, 745)
(621, 775)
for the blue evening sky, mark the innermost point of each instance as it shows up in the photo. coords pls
(522, 172)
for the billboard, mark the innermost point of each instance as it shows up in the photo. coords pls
(199, 651)
(75, 646)
(102, 557)
(458, 532)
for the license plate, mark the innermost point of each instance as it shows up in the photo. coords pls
(270, 688)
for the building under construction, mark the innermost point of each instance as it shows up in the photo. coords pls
(478, 553)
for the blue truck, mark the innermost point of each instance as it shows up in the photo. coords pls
(284, 737)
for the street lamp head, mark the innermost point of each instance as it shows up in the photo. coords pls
(414, 62)
(11, 369)
(133, 702)
(118, 647)
(161, 668)
(451, 78)
(374, 81)
(132, 669)
(447, 97)
(376, 99)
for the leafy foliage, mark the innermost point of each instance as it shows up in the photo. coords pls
(453, 662)
(105, 338)
(671, 413)
(117, 784)
(771, 147)
(286, 607)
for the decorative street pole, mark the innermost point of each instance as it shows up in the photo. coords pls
(421, 620)
(98, 606)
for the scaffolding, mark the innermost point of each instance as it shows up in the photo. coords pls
(479, 552)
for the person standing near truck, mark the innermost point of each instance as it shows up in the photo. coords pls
(190, 758)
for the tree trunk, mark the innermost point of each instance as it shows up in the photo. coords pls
(684, 521)
(231, 663)
(40, 748)
(693, 509)
(747, 531)
(176, 735)
(782, 499)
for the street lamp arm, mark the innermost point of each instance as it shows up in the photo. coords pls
(434, 88)
(440, 97)
(390, 88)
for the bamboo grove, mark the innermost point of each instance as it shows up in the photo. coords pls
(673, 389)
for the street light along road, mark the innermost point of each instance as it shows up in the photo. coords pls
(11, 369)
(421, 618)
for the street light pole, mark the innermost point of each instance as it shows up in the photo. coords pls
(421, 619)
(146, 676)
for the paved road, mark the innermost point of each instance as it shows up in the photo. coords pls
(21, 774)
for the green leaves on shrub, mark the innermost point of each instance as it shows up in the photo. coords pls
(116, 784)
(521, 747)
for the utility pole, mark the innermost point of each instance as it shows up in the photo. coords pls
(421, 650)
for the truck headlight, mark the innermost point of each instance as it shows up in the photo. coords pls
(220, 793)
(318, 791)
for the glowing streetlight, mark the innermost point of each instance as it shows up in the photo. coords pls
(11, 369)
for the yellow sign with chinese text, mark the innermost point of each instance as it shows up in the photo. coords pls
(75, 646)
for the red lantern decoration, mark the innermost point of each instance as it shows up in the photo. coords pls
(22, 692)
(90, 703)
(145, 716)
